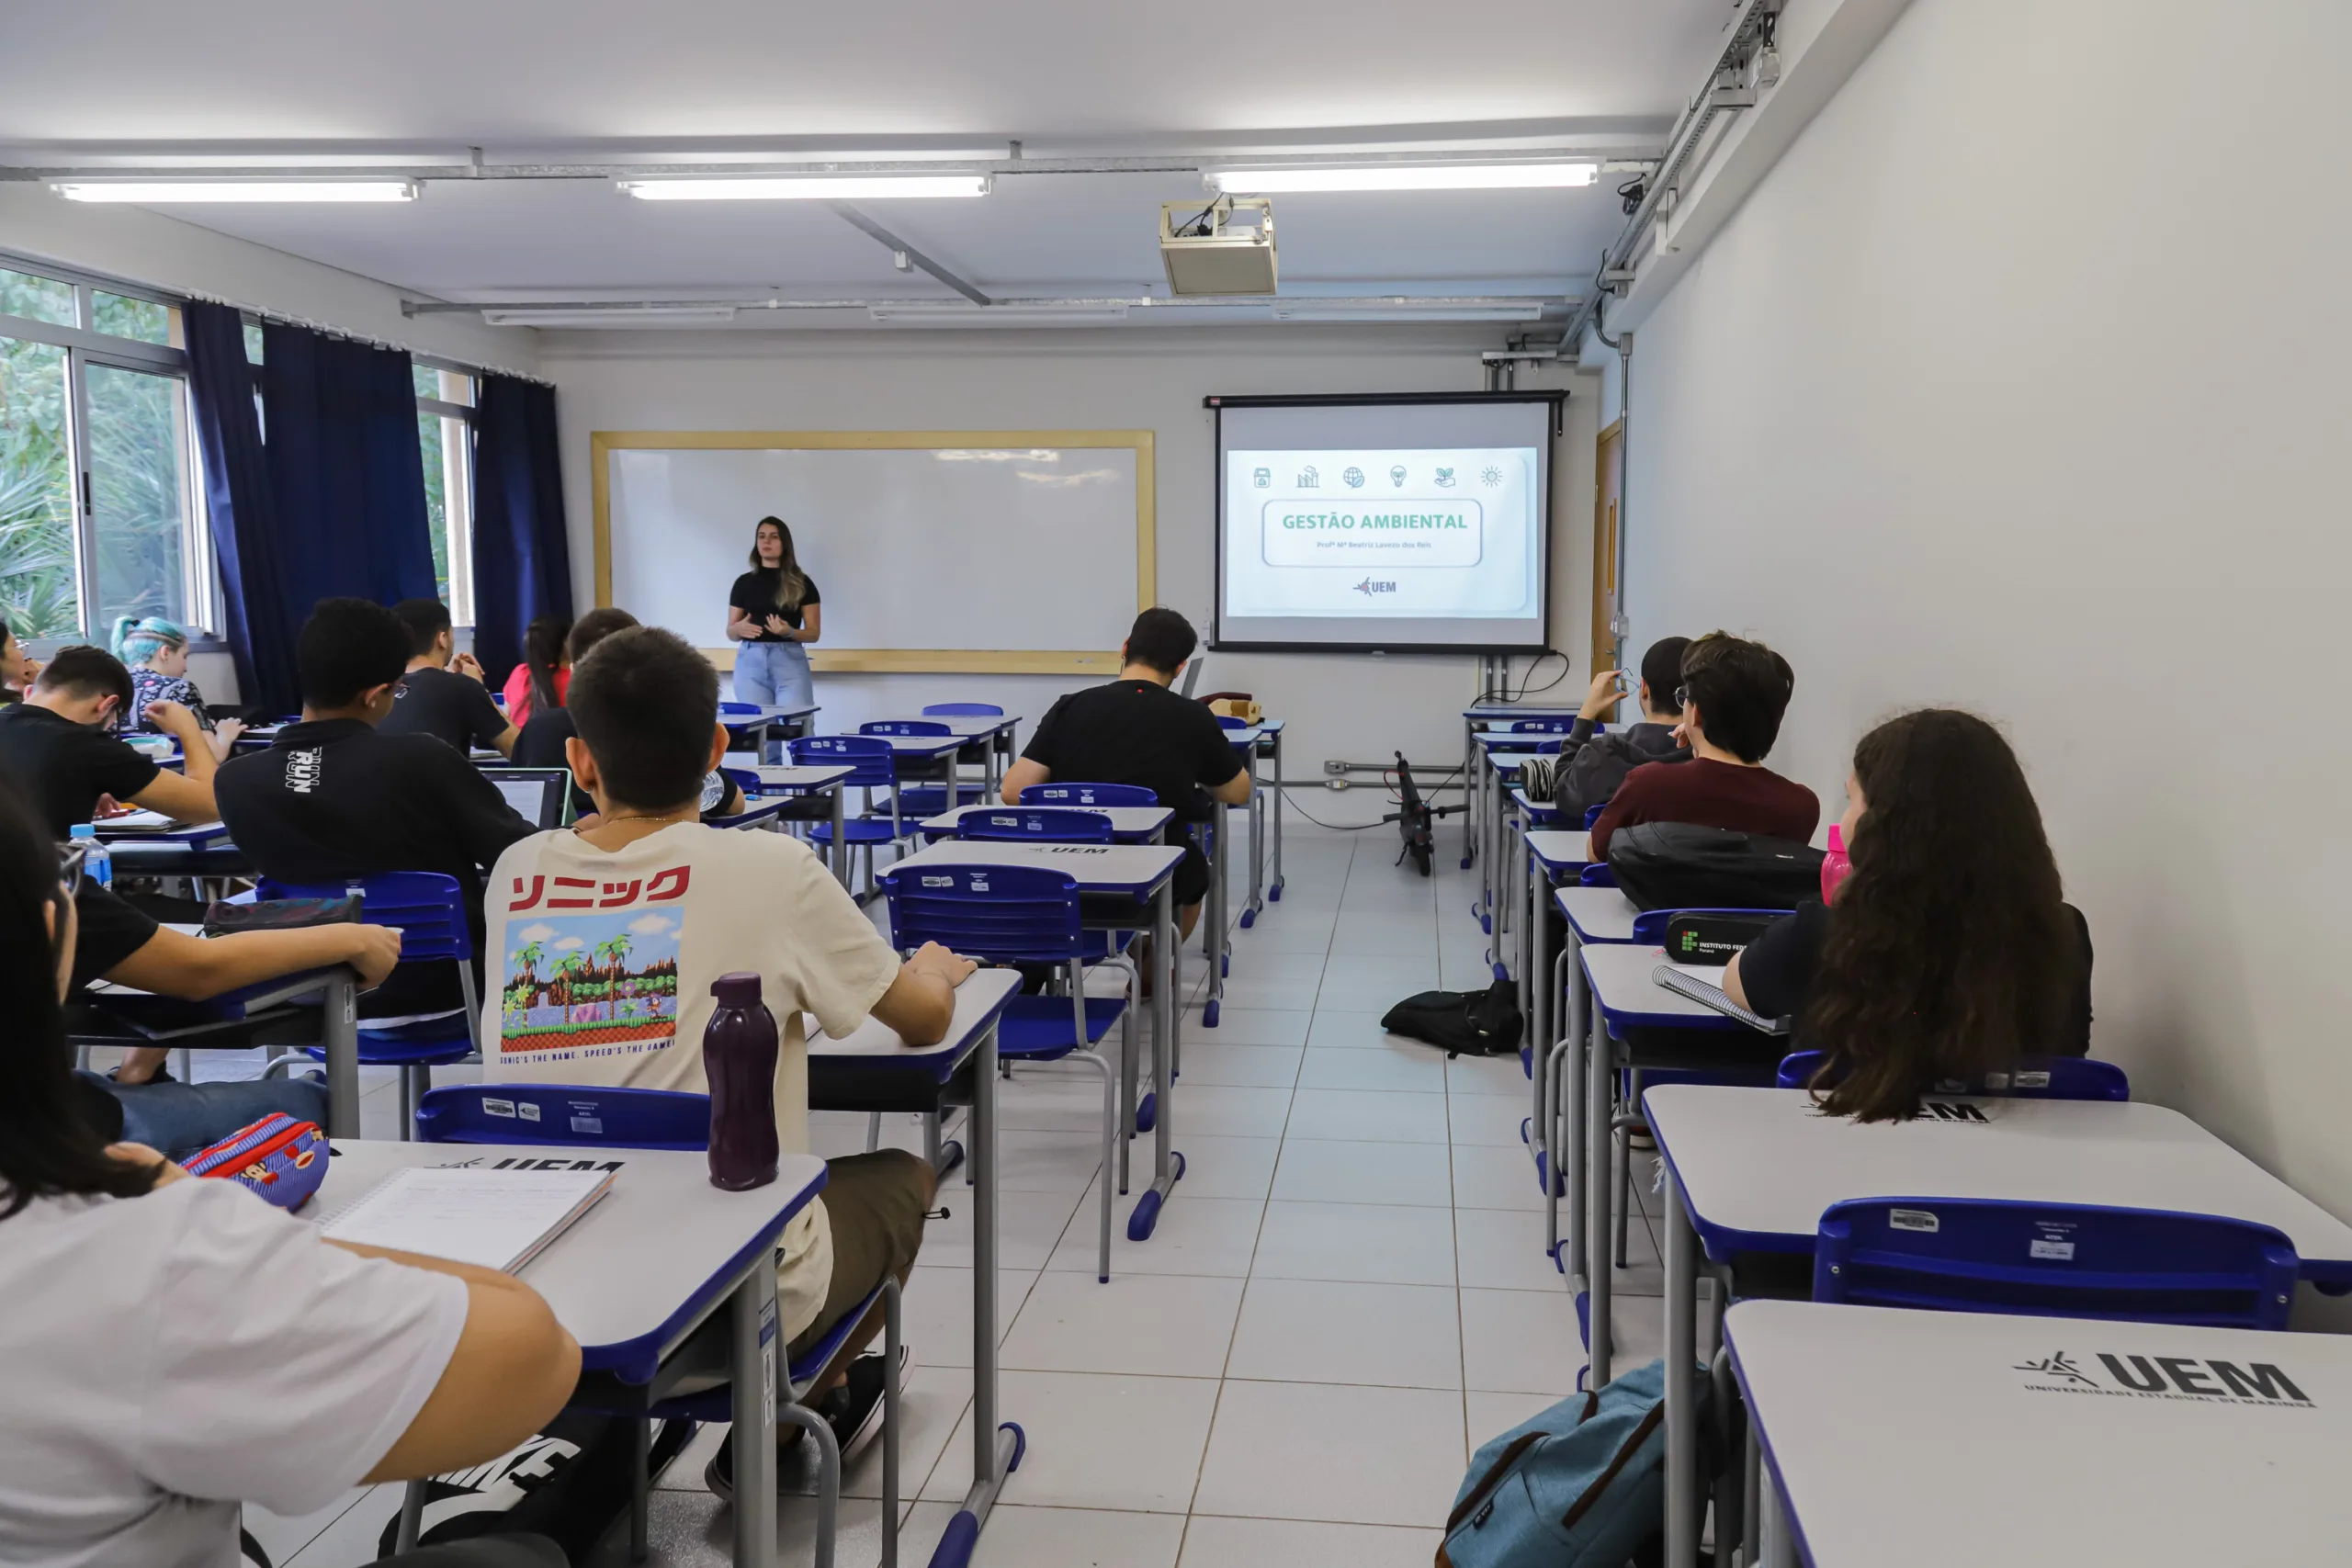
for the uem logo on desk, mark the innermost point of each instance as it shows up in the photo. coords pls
(2191, 1377)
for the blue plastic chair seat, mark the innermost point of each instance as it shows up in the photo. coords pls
(861, 830)
(1038, 1028)
(930, 800)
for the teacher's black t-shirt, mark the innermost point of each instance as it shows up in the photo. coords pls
(754, 594)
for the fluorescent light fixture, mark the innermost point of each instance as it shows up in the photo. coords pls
(618, 316)
(151, 192)
(804, 188)
(1401, 177)
(1407, 311)
(927, 313)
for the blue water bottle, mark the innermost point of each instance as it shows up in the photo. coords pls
(97, 860)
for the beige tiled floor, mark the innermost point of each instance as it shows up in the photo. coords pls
(1346, 1295)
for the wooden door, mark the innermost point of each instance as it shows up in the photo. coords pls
(1609, 490)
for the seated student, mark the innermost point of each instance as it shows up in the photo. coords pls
(336, 796)
(175, 1346)
(1945, 951)
(142, 1102)
(442, 692)
(543, 739)
(1134, 730)
(665, 903)
(1732, 694)
(16, 670)
(155, 651)
(1592, 766)
(539, 683)
(56, 743)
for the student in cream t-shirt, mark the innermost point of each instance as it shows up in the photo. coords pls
(604, 942)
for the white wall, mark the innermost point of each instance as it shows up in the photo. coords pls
(1357, 708)
(2019, 385)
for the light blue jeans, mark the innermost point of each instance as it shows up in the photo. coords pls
(774, 674)
(181, 1119)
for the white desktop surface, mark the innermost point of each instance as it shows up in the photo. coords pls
(971, 726)
(1624, 980)
(983, 992)
(624, 1268)
(1127, 821)
(800, 779)
(1930, 1439)
(1561, 847)
(1766, 1162)
(1104, 866)
(1599, 914)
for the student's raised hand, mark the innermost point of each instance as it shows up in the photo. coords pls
(379, 949)
(466, 664)
(776, 625)
(1602, 697)
(932, 958)
(140, 1154)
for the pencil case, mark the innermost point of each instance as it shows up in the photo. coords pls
(282, 1159)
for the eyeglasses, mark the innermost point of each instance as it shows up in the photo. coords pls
(70, 859)
(1683, 696)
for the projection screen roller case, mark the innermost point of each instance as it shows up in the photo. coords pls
(1383, 522)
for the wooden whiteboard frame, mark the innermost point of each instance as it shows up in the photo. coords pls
(602, 444)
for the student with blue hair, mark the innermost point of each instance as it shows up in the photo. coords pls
(155, 651)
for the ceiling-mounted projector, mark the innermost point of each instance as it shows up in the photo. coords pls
(1206, 252)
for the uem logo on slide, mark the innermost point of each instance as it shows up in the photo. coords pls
(1375, 585)
(2166, 1377)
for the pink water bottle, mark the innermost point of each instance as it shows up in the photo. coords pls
(739, 1059)
(1834, 865)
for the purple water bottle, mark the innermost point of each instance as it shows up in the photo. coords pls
(739, 1059)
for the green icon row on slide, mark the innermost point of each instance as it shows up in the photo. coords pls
(1309, 478)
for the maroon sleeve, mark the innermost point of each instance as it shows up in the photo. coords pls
(1623, 811)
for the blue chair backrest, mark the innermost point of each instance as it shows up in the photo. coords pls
(1060, 824)
(2034, 1077)
(1592, 814)
(427, 908)
(744, 779)
(1649, 926)
(2055, 1261)
(905, 726)
(1008, 914)
(872, 762)
(729, 709)
(1227, 721)
(965, 710)
(587, 1115)
(1542, 726)
(1597, 874)
(1088, 795)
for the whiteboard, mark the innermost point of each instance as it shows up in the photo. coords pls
(933, 551)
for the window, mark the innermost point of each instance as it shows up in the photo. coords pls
(100, 512)
(445, 412)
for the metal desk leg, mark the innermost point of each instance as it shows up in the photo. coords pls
(1568, 1090)
(1213, 947)
(1469, 791)
(1168, 1166)
(841, 840)
(754, 1367)
(1275, 892)
(341, 1020)
(995, 1453)
(1598, 1193)
(1257, 900)
(1683, 1498)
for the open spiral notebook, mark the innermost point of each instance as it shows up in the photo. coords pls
(1703, 985)
(496, 1219)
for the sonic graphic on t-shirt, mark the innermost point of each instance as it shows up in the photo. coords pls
(581, 985)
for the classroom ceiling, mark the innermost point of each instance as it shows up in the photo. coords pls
(592, 82)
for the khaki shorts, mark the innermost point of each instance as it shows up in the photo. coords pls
(875, 1202)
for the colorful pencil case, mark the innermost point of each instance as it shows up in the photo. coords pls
(282, 1159)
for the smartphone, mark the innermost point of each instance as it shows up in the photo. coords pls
(1627, 681)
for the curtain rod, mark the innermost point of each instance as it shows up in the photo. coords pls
(284, 320)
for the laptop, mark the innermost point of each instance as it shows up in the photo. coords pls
(539, 796)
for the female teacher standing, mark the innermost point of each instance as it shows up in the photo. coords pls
(773, 611)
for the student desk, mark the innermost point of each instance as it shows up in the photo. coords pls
(873, 1069)
(196, 851)
(788, 784)
(1476, 721)
(337, 988)
(770, 723)
(1129, 824)
(1216, 936)
(1751, 1169)
(996, 730)
(929, 750)
(1499, 755)
(634, 1277)
(1548, 854)
(1120, 880)
(1876, 1420)
(1593, 915)
(1268, 745)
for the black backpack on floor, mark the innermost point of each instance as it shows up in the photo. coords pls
(1676, 865)
(1461, 1023)
(567, 1483)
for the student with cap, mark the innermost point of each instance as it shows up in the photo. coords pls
(59, 745)
(441, 692)
(338, 797)
(1135, 730)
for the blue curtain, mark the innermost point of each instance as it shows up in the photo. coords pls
(522, 554)
(346, 471)
(237, 496)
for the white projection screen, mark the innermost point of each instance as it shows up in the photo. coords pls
(1385, 522)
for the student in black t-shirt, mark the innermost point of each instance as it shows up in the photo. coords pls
(773, 612)
(541, 745)
(1946, 952)
(17, 670)
(1134, 730)
(441, 693)
(58, 746)
(336, 797)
